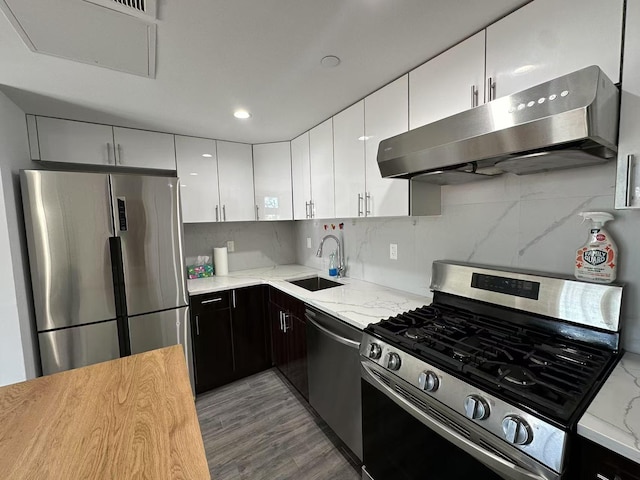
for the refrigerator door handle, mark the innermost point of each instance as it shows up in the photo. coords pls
(119, 293)
(197, 324)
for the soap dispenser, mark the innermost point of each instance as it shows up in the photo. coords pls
(333, 271)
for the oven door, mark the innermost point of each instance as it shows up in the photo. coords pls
(407, 436)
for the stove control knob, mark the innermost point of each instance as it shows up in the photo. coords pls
(428, 381)
(516, 430)
(375, 351)
(393, 361)
(476, 408)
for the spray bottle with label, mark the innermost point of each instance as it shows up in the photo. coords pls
(597, 260)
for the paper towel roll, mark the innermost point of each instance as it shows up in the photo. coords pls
(221, 261)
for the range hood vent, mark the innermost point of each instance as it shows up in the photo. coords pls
(569, 122)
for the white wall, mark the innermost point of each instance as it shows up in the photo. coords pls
(17, 343)
(527, 222)
(11, 356)
(17, 351)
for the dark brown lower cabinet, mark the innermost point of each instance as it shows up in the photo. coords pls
(599, 463)
(230, 336)
(289, 340)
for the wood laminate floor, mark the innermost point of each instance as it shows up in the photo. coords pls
(258, 429)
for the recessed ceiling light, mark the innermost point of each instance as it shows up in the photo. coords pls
(207, 155)
(364, 138)
(330, 61)
(241, 114)
(194, 174)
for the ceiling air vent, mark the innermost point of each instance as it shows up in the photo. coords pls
(142, 8)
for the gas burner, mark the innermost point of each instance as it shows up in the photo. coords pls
(517, 375)
(466, 348)
(413, 333)
(566, 353)
(537, 360)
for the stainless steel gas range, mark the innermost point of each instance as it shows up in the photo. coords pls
(488, 381)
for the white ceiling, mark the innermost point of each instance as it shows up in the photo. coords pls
(214, 56)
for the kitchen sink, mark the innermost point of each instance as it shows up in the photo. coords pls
(313, 284)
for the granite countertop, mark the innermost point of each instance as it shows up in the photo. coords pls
(133, 417)
(357, 303)
(613, 418)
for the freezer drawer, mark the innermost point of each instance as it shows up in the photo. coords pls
(162, 329)
(78, 346)
(147, 220)
(68, 221)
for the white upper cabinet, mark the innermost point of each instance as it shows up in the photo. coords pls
(143, 149)
(348, 151)
(448, 84)
(57, 140)
(272, 178)
(386, 115)
(321, 161)
(235, 176)
(549, 38)
(74, 142)
(301, 177)
(628, 177)
(198, 179)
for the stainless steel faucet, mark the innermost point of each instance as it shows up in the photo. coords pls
(341, 265)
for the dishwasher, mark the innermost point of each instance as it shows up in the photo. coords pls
(334, 375)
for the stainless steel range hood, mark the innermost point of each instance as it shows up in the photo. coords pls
(571, 121)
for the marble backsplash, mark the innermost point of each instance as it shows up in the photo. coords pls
(528, 222)
(257, 244)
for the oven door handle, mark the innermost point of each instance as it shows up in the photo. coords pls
(489, 459)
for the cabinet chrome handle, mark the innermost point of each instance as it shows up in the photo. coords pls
(197, 325)
(360, 200)
(284, 321)
(224, 213)
(627, 195)
(257, 212)
(491, 88)
(217, 216)
(233, 294)
(367, 204)
(306, 209)
(312, 209)
(280, 314)
(109, 153)
(119, 156)
(474, 96)
(213, 300)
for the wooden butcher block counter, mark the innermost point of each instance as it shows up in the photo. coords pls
(131, 418)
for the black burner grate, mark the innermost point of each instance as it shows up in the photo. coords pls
(543, 371)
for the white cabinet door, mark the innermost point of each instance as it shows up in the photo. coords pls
(386, 115)
(143, 149)
(348, 151)
(549, 38)
(301, 176)
(628, 177)
(321, 161)
(75, 142)
(272, 179)
(198, 179)
(448, 84)
(235, 173)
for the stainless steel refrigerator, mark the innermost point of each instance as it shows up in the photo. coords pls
(106, 265)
